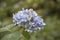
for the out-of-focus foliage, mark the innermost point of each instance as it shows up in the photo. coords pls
(48, 9)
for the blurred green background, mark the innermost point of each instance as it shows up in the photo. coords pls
(48, 9)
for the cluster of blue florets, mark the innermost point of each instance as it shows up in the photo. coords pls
(29, 20)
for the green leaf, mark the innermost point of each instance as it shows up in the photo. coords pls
(7, 28)
(12, 36)
(26, 35)
(2, 34)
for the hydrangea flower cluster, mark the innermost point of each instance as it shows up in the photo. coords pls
(28, 19)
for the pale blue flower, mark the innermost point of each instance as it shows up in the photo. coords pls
(29, 20)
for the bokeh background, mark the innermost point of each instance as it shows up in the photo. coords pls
(48, 9)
